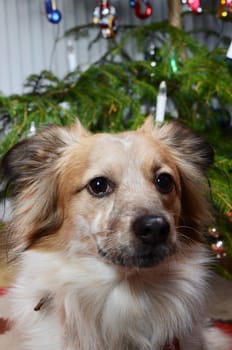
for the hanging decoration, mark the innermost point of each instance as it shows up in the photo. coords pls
(216, 242)
(142, 8)
(193, 5)
(225, 9)
(132, 3)
(53, 14)
(152, 53)
(105, 16)
(229, 217)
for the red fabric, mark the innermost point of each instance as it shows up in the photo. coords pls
(225, 326)
(3, 291)
(4, 324)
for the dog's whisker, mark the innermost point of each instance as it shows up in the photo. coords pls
(188, 227)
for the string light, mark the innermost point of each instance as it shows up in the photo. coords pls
(225, 8)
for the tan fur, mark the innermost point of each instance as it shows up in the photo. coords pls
(96, 267)
(58, 171)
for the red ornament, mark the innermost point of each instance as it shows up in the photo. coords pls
(229, 216)
(219, 249)
(138, 9)
(194, 5)
(213, 232)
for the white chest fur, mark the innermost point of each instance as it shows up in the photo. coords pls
(91, 306)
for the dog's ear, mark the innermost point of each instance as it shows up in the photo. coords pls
(193, 156)
(189, 146)
(31, 167)
(185, 145)
(31, 156)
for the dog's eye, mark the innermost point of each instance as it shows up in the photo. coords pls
(100, 187)
(164, 183)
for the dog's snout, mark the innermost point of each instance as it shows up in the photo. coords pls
(151, 229)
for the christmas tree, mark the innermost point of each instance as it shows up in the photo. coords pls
(118, 92)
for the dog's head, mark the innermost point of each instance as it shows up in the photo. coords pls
(132, 198)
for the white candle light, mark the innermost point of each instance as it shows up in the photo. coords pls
(161, 102)
(229, 51)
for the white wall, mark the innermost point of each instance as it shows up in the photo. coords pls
(27, 38)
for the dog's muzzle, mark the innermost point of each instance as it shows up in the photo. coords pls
(152, 234)
(149, 245)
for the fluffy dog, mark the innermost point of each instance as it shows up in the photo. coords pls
(107, 232)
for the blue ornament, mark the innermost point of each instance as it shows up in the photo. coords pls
(132, 3)
(53, 14)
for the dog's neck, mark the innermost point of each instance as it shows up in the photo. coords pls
(44, 301)
(101, 310)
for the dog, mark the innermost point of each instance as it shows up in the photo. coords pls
(107, 237)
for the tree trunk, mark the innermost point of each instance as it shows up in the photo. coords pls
(174, 13)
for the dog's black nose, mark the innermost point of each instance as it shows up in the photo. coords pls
(151, 229)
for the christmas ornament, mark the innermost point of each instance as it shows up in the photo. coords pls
(138, 8)
(213, 232)
(105, 15)
(219, 249)
(152, 53)
(229, 217)
(216, 242)
(132, 3)
(53, 14)
(193, 5)
(225, 8)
